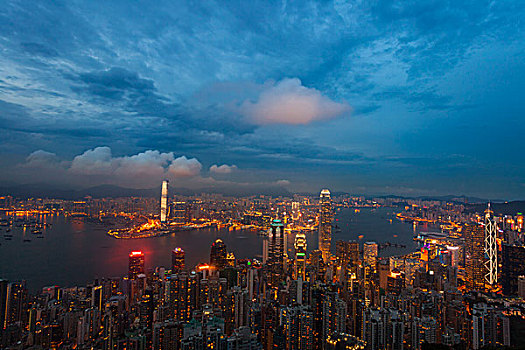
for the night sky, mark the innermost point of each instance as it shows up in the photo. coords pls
(374, 97)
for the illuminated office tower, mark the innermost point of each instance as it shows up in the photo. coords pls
(177, 260)
(218, 254)
(136, 264)
(474, 256)
(325, 224)
(164, 201)
(275, 248)
(491, 248)
(300, 256)
(370, 250)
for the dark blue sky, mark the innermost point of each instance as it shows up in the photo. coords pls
(403, 97)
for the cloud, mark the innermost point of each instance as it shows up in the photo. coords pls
(184, 167)
(282, 182)
(97, 161)
(146, 167)
(222, 169)
(289, 102)
(41, 159)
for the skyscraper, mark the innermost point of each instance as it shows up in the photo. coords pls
(300, 256)
(325, 224)
(164, 201)
(474, 256)
(136, 264)
(491, 248)
(275, 259)
(3, 303)
(513, 266)
(347, 252)
(183, 295)
(370, 251)
(218, 254)
(177, 260)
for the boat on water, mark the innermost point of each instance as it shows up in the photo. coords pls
(36, 232)
(27, 240)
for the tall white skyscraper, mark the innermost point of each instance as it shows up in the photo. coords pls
(164, 201)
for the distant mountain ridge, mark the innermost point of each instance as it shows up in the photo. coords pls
(112, 191)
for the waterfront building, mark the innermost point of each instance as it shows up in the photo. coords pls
(164, 201)
(181, 212)
(325, 224)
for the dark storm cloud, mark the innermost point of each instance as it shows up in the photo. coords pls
(225, 82)
(115, 82)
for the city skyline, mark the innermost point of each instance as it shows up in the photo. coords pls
(260, 272)
(262, 175)
(375, 98)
